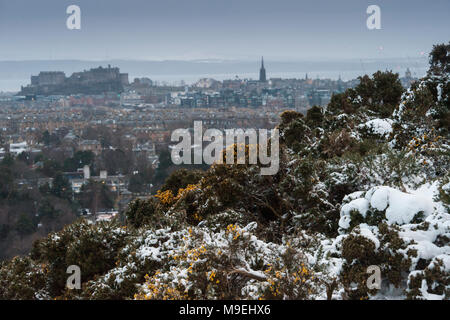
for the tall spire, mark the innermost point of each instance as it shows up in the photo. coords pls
(262, 71)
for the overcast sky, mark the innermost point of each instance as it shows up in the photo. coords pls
(218, 29)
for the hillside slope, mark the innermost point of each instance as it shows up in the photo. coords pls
(363, 183)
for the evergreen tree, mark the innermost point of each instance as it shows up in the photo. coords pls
(61, 187)
(25, 225)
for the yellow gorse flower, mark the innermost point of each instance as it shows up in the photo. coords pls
(234, 230)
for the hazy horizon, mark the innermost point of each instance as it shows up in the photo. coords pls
(172, 40)
(14, 74)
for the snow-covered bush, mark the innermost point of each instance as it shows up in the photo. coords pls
(379, 128)
(432, 283)
(405, 234)
(384, 204)
(92, 247)
(23, 279)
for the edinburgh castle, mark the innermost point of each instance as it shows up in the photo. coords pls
(94, 81)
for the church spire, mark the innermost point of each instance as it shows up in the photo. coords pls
(262, 71)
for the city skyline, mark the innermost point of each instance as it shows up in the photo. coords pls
(14, 74)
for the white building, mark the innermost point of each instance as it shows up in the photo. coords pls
(18, 148)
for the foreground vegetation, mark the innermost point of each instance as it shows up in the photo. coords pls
(363, 182)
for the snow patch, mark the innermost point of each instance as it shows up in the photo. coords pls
(380, 127)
